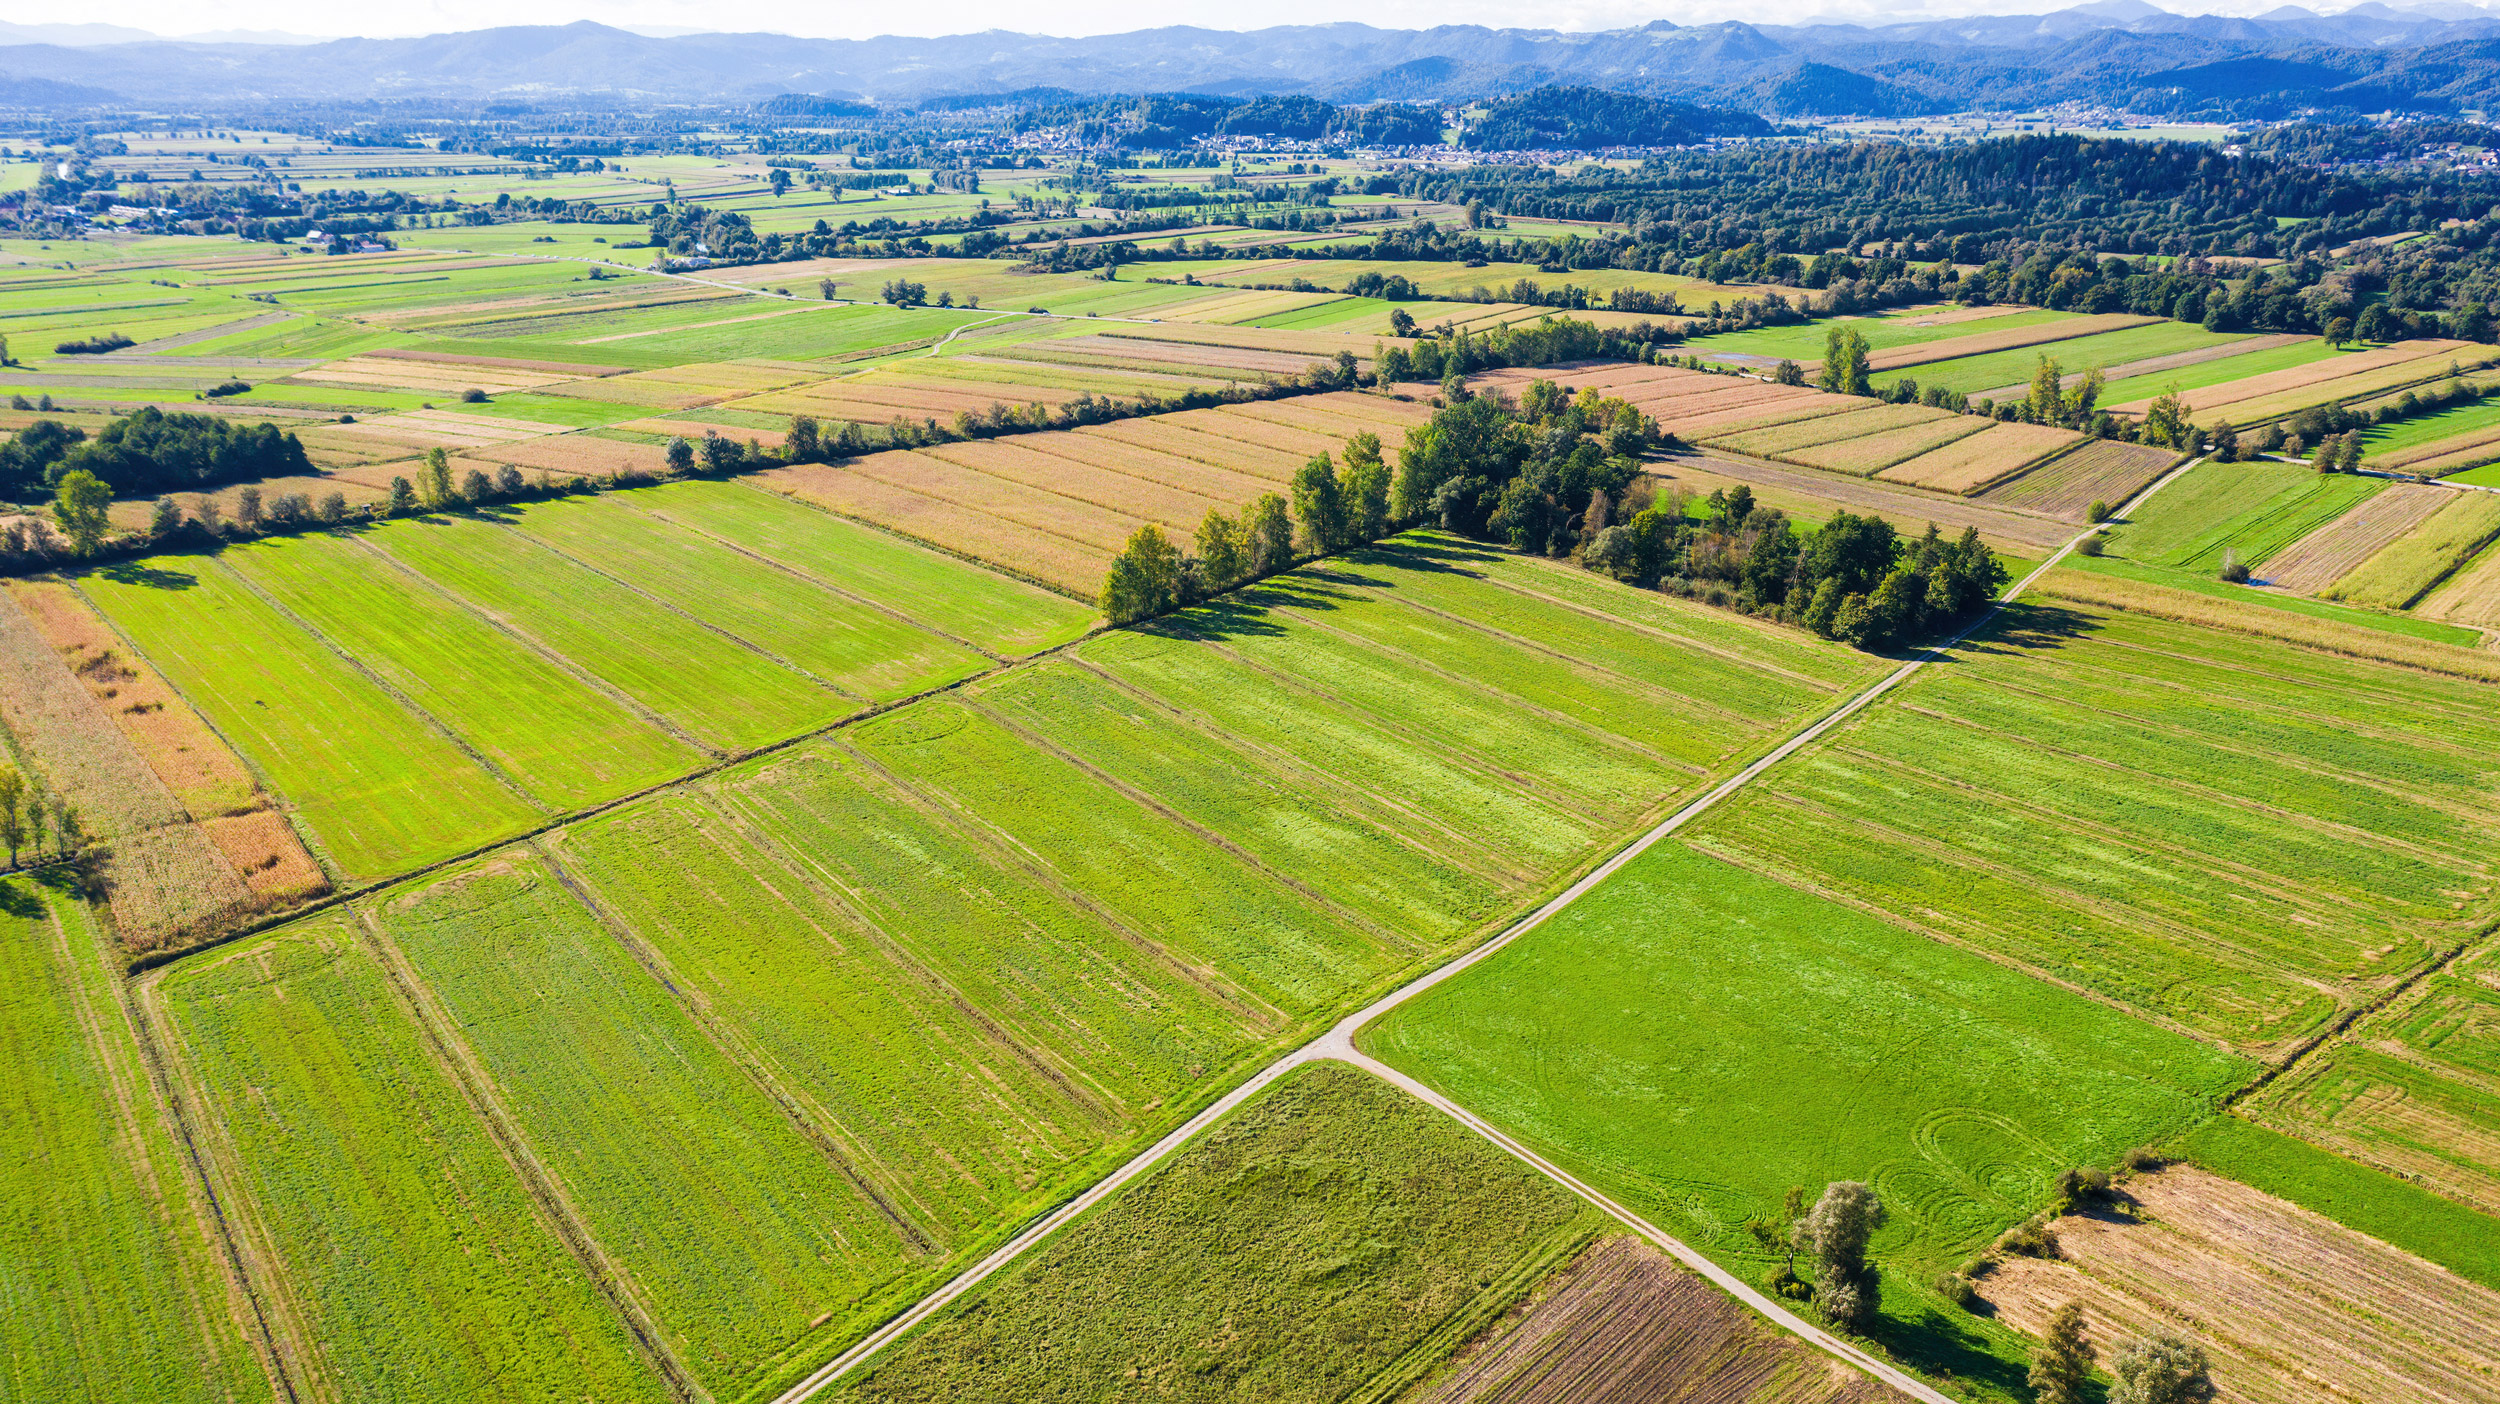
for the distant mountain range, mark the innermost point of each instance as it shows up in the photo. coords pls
(2444, 58)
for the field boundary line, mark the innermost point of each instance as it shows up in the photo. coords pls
(1338, 1044)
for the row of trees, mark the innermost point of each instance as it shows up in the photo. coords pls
(1558, 474)
(33, 820)
(149, 451)
(1332, 509)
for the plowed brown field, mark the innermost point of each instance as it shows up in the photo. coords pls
(1623, 1324)
(2293, 1307)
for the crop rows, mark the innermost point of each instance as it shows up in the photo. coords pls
(2068, 485)
(424, 687)
(2375, 518)
(2417, 562)
(746, 1062)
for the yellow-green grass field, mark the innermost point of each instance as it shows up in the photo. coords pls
(116, 1286)
(898, 988)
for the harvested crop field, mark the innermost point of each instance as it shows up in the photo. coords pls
(1626, 1324)
(2333, 551)
(2471, 596)
(693, 431)
(1066, 563)
(2417, 562)
(2292, 1307)
(1784, 441)
(202, 772)
(61, 722)
(2258, 398)
(1877, 454)
(585, 454)
(1054, 506)
(2105, 471)
(441, 377)
(1966, 465)
(1131, 350)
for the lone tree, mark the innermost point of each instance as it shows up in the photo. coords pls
(1145, 578)
(437, 490)
(1836, 1231)
(83, 504)
(2064, 1362)
(2163, 1368)
(2338, 332)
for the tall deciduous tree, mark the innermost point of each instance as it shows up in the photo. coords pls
(1145, 578)
(1837, 1230)
(2064, 1361)
(1319, 506)
(1223, 553)
(1365, 479)
(437, 490)
(13, 801)
(83, 504)
(1270, 531)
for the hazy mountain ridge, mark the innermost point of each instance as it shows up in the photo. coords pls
(2117, 51)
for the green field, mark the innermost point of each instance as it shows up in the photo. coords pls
(1883, 331)
(739, 1228)
(2428, 428)
(989, 611)
(2238, 836)
(1694, 1037)
(1331, 1238)
(381, 789)
(855, 648)
(416, 1266)
(1998, 370)
(2215, 372)
(2404, 624)
(564, 741)
(114, 1289)
(970, 953)
(721, 690)
(2251, 510)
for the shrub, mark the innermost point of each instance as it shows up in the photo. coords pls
(2098, 512)
(225, 388)
(473, 397)
(2233, 570)
(2083, 1184)
(2091, 545)
(1955, 1288)
(2144, 1158)
(2032, 1238)
(94, 345)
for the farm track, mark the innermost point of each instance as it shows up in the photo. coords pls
(1338, 1045)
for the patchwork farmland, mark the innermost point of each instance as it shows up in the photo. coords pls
(639, 928)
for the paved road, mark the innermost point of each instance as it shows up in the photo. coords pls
(1338, 1045)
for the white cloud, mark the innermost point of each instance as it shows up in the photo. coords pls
(1070, 17)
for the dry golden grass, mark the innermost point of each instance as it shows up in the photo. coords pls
(2471, 596)
(170, 886)
(1871, 454)
(2293, 1307)
(264, 848)
(1968, 465)
(2328, 554)
(1075, 566)
(205, 776)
